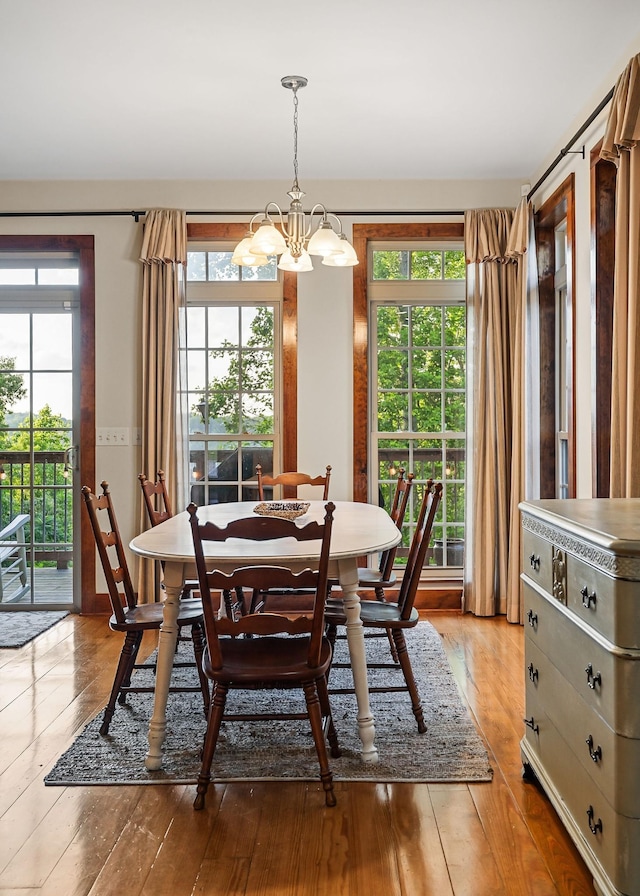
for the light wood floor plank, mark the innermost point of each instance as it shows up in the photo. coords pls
(325, 845)
(422, 867)
(104, 814)
(473, 869)
(181, 852)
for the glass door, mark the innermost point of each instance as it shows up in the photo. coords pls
(39, 334)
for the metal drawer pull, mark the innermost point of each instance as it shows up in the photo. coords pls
(534, 561)
(533, 619)
(530, 723)
(596, 754)
(587, 599)
(533, 673)
(593, 680)
(594, 828)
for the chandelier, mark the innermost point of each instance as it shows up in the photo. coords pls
(297, 239)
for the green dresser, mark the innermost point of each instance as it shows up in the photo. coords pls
(581, 581)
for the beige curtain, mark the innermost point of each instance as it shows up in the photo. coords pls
(164, 257)
(520, 242)
(621, 145)
(496, 241)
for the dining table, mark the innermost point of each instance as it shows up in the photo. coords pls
(359, 530)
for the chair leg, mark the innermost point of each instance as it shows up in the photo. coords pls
(407, 671)
(325, 709)
(197, 636)
(315, 719)
(216, 711)
(257, 601)
(228, 604)
(125, 664)
(240, 602)
(331, 632)
(392, 647)
(126, 681)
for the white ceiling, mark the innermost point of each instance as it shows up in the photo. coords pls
(159, 89)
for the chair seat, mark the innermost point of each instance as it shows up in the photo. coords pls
(373, 613)
(280, 660)
(149, 616)
(372, 578)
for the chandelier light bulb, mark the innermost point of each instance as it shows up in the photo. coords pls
(301, 263)
(325, 241)
(242, 254)
(268, 240)
(345, 258)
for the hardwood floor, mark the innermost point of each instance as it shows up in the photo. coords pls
(266, 839)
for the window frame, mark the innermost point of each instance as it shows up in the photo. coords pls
(560, 207)
(83, 246)
(603, 239)
(211, 232)
(363, 235)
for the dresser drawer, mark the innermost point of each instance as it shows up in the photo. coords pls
(610, 760)
(611, 606)
(607, 678)
(610, 839)
(537, 559)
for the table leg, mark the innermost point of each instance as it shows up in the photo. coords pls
(348, 575)
(173, 579)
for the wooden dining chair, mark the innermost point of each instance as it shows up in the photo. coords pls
(158, 505)
(291, 481)
(384, 576)
(156, 498)
(130, 616)
(393, 616)
(267, 650)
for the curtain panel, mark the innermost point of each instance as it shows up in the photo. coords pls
(621, 145)
(496, 241)
(164, 259)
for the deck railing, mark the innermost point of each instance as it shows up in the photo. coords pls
(39, 484)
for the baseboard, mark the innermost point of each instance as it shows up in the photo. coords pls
(96, 605)
(442, 598)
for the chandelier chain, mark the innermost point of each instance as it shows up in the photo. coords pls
(295, 139)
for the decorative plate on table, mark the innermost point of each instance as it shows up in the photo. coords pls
(287, 510)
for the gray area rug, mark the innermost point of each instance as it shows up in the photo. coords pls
(20, 627)
(450, 751)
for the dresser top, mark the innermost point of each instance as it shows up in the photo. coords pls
(610, 523)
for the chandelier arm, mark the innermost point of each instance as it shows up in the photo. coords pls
(319, 209)
(332, 215)
(280, 215)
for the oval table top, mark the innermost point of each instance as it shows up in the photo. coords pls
(358, 529)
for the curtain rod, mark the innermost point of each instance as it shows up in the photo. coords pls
(136, 215)
(565, 150)
(225, 213)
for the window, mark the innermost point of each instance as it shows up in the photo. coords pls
(563, 354)
(232, 385)
(417, 384)
(603, 193)
(555, 228)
